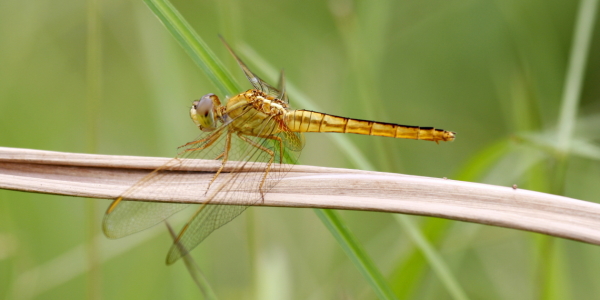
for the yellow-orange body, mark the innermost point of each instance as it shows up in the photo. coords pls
(250, 110)
(270, 109)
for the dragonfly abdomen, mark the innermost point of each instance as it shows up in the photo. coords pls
(310, 121)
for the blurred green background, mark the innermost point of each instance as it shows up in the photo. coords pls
(493, 71)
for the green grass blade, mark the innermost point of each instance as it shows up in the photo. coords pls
(435, 260)
(551, 287)
(93, 100)
(194, 270)
(582, 38)
(355, 252)
(194, 46)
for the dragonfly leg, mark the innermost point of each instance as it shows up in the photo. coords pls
(209, 141)
(280, 147)
(220, 155)
(225, 156)
(200, 140)
(278, 139)
(268, 151)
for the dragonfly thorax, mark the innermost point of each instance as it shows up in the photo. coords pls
(254, 112)
(266, 103)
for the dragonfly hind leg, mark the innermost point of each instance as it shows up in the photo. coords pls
(268, 151)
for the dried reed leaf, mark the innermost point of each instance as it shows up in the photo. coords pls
(107, 176)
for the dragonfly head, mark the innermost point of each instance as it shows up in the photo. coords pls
(203, 112)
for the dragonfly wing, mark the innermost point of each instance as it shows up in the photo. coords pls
(233, 186)
(134, 216)
(281, 87)
(207, 219)
(256, 81)
(163, 184)
(241, 188)
(270, 151)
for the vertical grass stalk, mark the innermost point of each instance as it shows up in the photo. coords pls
(582, 36)
(94, 96)
(583, 31)
(355, 252)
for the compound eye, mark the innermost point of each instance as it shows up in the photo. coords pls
(204, 106)
(202, 113)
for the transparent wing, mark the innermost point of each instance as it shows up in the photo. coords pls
(231, 186)
(266, 153)
(123, 218)
(241, 188)
(281, 87)
(256, 81)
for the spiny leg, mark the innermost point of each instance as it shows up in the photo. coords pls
(278, 139)
(220, 155)
(211, 140)
(225, 156)
(216, 134)
(268, 151)
(280, 147)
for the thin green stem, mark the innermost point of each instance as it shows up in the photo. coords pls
(545, 266)
(580, 46)
(363, 53)
(94, 96)
(355, 252)
(437, 263)
(194, 270)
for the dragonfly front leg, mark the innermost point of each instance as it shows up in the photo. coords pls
(225, 156)
(211, 139)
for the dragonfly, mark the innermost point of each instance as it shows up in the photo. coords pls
(254, 130)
